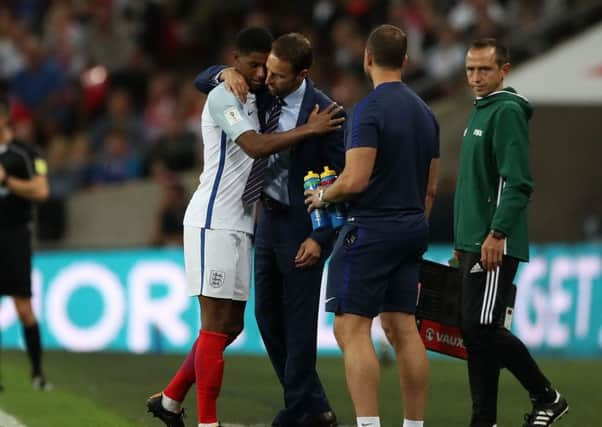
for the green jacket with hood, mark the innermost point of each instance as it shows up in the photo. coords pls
(494, 180)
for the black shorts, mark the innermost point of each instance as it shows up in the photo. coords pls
(15, 261)
(374, 267)
(486, 296)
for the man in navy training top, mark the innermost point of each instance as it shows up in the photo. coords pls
(392, 150)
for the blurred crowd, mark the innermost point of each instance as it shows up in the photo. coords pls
(105, 86)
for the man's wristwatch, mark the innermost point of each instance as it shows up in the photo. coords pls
(321, 197)
(498, 235)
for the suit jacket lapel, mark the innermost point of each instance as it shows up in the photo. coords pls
(307, 104)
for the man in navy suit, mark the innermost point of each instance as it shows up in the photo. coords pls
(289, 256)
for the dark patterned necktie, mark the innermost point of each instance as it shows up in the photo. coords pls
(254, 183)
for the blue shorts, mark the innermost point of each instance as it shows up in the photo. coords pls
(374, 266)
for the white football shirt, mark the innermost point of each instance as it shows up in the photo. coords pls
(217, 202)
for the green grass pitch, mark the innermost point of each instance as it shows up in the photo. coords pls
(110, 390)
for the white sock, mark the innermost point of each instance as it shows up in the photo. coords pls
(368, 421)
(170, 404)
(208, 425)
(412, 423)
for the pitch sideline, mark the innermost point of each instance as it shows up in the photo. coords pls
(257, 425)
(7, 420)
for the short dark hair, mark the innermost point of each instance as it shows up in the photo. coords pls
(254, 39)
(294, 48)
(502, 54)
(388, 45)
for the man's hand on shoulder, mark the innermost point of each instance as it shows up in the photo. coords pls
(325, 121)
(235, 83)
(308, 254)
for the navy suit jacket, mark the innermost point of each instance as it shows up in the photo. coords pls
(312, 153)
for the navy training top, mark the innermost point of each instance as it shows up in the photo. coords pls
(405, 133)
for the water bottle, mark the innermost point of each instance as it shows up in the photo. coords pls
(335, 211)
(319, 217)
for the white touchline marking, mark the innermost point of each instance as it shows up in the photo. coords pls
(7, 420)
(242, 425)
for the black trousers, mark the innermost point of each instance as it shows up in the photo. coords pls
(490, 345)
(286, 308)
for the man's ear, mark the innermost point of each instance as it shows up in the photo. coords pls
(368, 59)
(506, 68)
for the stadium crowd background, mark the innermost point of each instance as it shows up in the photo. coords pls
(104, 87)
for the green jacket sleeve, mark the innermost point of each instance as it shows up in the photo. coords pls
(511, 148)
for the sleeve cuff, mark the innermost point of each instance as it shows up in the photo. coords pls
(323, 237)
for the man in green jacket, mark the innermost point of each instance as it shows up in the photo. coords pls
(490, 232)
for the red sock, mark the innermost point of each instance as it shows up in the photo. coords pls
(209, 368)
(183, 379)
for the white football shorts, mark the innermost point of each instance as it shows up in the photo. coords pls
(218, 263)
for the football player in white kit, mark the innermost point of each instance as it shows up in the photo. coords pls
(218, 227)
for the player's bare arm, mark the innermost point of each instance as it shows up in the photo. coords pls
(319, 122)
